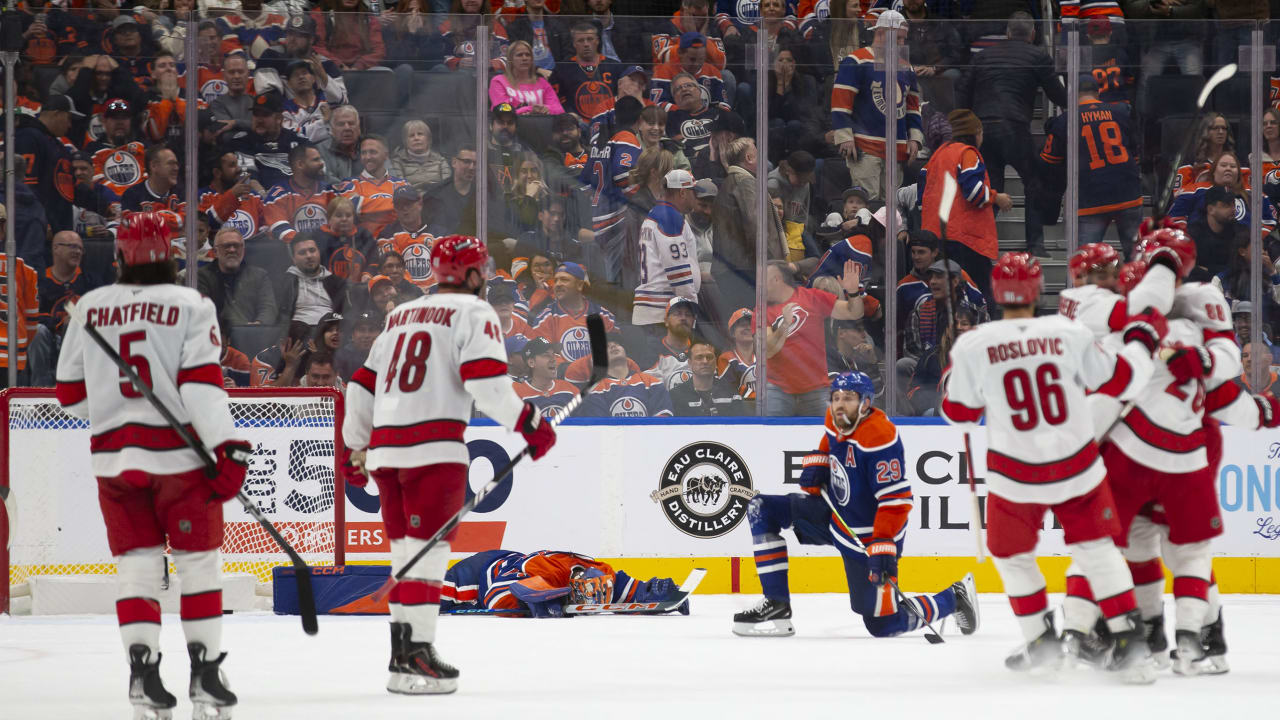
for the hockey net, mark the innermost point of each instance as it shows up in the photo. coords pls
(59, 530)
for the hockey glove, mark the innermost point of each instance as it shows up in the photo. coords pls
(353, 470)
(536, 431)
(882, 561)
(1268, 410)
(1147, 327)
(590, 585)
(816, 473)
(541, 599)
(233, 464)
(1166, 256)
(1189, 362)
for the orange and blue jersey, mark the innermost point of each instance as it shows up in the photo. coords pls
(372, 198)
(665, 43)
(640, 395)
(569, 330)
(864, 121)
(1188, 206)
(226, 210)
(549, 402)
(486, 579)
(1109, 176)
(288, 209)
(856, 248)
(912, 287)
(868, 483)
(1090, 9)
(254, 34)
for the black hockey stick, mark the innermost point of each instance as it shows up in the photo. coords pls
(306, 599)
(619, 608)
(949, 188)
(1161, 208)
(933, 636)
(599, 368)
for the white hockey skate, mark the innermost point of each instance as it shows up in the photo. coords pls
(968, 615)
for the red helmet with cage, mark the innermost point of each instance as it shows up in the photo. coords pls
(1167, 241)
(453, 255)
(1016, 279)
(143, 238)
(1131, 274)
(1092, 257)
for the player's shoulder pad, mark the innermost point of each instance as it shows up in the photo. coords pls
(1203, 304)
(668, 219)
(877, 432)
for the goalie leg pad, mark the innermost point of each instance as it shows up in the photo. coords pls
(201, 606)
(138, 576)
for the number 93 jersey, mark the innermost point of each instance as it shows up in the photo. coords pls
(410, 402)
(1029, 377)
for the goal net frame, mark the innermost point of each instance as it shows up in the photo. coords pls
(246, 547)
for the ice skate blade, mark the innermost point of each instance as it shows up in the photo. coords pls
(1213, 665)
(1140, 673)
(423, 685)
(397, 681)
(209, 711)
(143, 712)
(781, 628)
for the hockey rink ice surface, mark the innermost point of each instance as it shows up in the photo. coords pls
(633, 667)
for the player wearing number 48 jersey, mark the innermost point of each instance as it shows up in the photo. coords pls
(860, 468)
(407, 408)
(152, 488)
(1025, 374)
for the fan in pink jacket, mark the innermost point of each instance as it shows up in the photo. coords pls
(518, 85)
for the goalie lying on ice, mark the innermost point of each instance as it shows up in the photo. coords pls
(543, 582)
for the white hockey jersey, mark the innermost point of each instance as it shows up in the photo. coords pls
(668, 264)
(410, 402)
(1102, 311)
(1028, 376)
(169, 335)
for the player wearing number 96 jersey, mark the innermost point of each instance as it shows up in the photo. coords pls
(668, 252)
(152, 488)
(1026, 374)
(407, 408)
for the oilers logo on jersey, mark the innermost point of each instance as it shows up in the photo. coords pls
(213, 89)
(878, 97)
(748, 11)
(122, 169)
(693, 129)
(243, 223)
(309, 217)
(704, 489)
(839, 480)
(574, 343)
(417, 262)
(628, 407)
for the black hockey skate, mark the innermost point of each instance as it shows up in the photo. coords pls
(1157, 641)
(146, 692)
(968, 616)
(1130, 656)
(400, 633)
(1040, 655)
(425, 672)
(748, 622)
(1189, 653)
(1215, 648)
(1086, 648)
(210, 697)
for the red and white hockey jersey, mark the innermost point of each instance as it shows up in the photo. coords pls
(1102, 311)
(1025, 375)
(410, 402)
(169, 335)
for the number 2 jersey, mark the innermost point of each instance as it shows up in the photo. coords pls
(1028, 376)
(169, 335)
(1109, 176)
(410, 402)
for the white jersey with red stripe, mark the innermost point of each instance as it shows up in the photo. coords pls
(410, 402)
(1102, 311)
(1026, 376)
(169, 335)
(1205, 305)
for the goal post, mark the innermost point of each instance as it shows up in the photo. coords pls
(293, 479)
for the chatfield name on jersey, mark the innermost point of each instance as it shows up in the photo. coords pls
(704, 489)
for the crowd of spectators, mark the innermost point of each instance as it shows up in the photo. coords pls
(621, 176)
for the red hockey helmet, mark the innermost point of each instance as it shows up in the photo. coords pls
(1092, 257)
(453, 255)
(1016, 279)
(1168, 241)
(143, 238)
(1131, 274)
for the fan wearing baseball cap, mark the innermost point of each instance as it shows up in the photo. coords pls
(668, 253)
(564, 321)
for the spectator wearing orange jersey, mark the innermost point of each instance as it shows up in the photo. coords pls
(564, 321)
(692, 60)
(230, 199)
(408, 236)
(372, 190)
(26, 282)
(693, 16)
(166, 108)
(344, 248)
(300, 203)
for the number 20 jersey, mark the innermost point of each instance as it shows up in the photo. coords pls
(415, 378)
(1029, 377)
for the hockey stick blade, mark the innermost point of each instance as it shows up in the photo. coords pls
(1222, 75)
(306, 600)
(599, 368)
(1165, 201)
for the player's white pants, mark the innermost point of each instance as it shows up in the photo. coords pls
(420, 590)
(138, 576)
(1192, 566)
(1024, 584)
(200, 575)
(1101, 562)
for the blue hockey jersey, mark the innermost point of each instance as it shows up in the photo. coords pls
(485, 579)
(866, 480)
(640, 395)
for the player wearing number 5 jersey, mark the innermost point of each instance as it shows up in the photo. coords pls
(407, 408)
(1110, 183)
(668, 253)
(1025, 374)
(860, 468)
(152, 487)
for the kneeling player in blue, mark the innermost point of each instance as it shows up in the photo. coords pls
(541, 583)
(859, 465)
